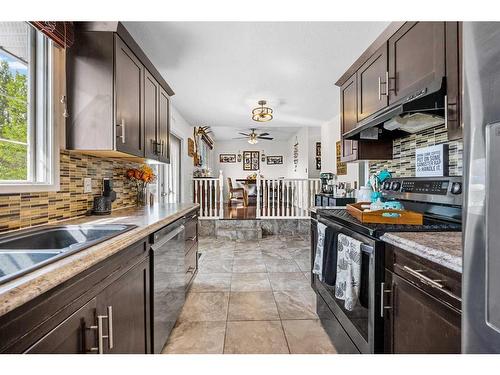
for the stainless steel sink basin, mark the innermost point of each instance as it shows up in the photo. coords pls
(28, 250)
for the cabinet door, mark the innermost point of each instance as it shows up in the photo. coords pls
(418, 322)
(348, 150)
(72, 336)
(128, 100)
(372, 88)
(416, 58)
(128, 298)
(151, 116)
(348, 105)
(164, 126)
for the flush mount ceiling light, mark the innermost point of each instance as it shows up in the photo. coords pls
(262, 113)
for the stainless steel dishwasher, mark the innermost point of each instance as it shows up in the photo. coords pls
(168, 280)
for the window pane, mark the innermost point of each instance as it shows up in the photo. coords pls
(14, 94)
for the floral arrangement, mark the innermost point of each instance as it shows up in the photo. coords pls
(142, 177)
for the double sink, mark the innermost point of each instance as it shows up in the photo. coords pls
(25, 251)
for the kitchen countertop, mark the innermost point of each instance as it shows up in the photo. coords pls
(444, 248)
(148, 220)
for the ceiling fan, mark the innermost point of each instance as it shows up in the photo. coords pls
(254, 137)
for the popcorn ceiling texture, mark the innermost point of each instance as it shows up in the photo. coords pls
(403, 150)
(27, 209)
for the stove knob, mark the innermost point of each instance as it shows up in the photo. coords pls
(456, 188)
(396, 186)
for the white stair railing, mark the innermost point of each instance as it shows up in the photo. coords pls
(208, 192)
(286, 198)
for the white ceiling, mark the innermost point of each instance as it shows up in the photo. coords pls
(219, 70)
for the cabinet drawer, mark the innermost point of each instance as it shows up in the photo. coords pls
(191, 264)
(191, 231)
(437, 280)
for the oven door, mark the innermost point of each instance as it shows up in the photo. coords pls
(363, 324)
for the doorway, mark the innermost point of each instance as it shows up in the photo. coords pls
(170, 175)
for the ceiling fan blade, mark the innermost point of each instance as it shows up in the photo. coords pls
(246, 135)
(240, 138)
(268, 138)
(264, 134)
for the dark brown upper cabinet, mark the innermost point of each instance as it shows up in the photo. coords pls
(129, 75)
(164, 126)
(416, 58)
(407, 60)
(348, 105)
(114, 95)
(151, 116)
(372, 80)
(357, 150)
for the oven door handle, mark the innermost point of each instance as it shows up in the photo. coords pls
(367, 248)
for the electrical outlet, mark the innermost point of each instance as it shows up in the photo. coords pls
(87, 185)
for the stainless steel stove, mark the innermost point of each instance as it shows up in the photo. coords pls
(361, 330)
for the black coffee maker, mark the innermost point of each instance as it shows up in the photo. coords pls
(327, 186)
(102, 204)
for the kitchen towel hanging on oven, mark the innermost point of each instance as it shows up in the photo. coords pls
(348, 270)
(318, 258)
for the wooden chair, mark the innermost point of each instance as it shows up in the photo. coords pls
(233, 191)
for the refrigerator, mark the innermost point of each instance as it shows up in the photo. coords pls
(481, 235)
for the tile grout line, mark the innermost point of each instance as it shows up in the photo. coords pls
(279, 314)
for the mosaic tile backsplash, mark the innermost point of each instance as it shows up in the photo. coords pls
(403, 149)
(28, 209)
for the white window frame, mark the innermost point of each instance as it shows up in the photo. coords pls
(44, 117)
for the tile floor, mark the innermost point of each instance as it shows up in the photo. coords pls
(251, 297)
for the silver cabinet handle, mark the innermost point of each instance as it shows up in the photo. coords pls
(100, 334)
(100, 341)
(122, 125)
(379, 89)
(423, 278)
(162, 148)
(110, 327)
(382, 307)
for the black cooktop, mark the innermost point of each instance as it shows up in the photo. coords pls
(376, 230)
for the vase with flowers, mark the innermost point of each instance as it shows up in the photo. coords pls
(141, 177)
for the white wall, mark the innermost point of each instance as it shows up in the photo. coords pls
(330, 134)
(302, 138)
(183, 130)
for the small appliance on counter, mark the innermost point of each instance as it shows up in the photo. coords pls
(103, 203)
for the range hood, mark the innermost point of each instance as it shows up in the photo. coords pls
(421, 110)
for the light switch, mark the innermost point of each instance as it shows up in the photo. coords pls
(87, 185)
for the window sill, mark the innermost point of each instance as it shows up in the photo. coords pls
(28, 188)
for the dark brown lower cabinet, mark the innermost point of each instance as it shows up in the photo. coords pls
(125, 304)
(115, 321)
(72, 336)
(417, 322)
(104, 309)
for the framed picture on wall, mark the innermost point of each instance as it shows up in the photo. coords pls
(318, 164)
(273, 160)
(318, 149)
(341, 167)
(227, 158)
(251, 160)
